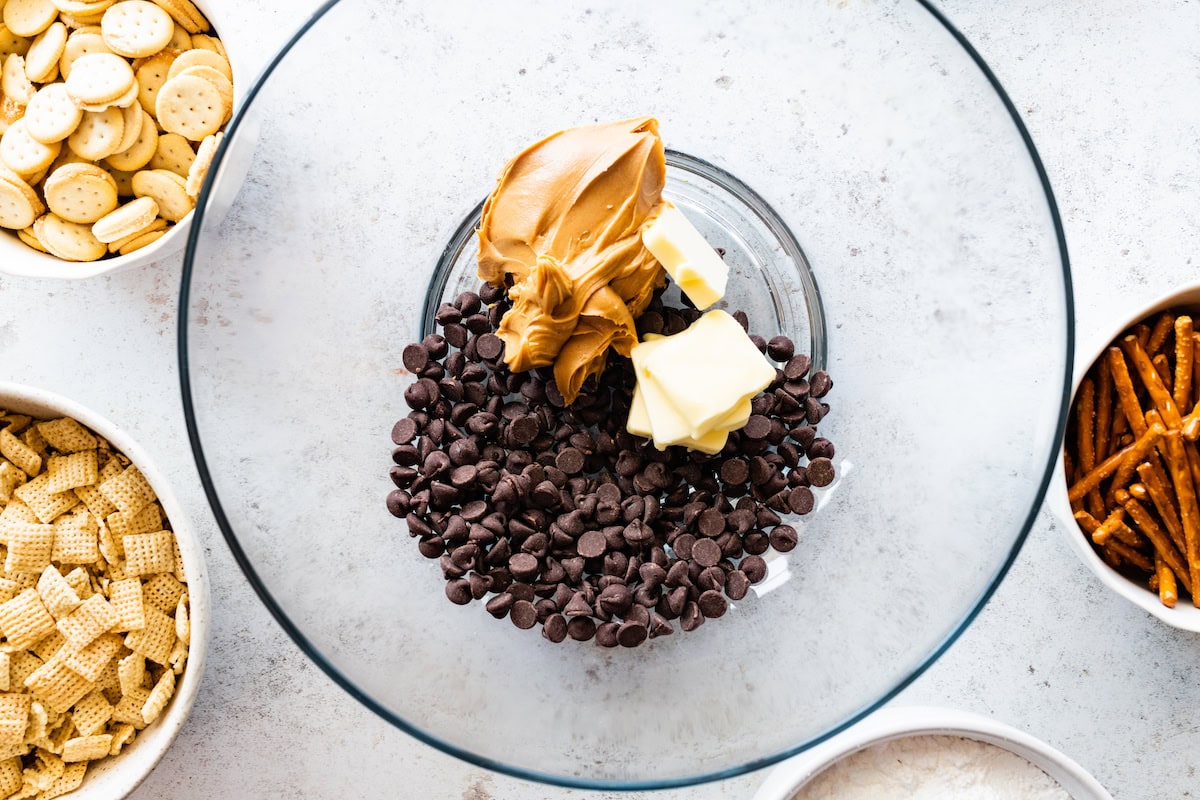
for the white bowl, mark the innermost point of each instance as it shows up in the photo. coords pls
(1185, 615)
(114, 778)
(897, 723)
(16, 258)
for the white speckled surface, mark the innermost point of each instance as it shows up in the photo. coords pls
(1110, 98)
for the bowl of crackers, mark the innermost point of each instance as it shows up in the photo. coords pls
(104, 607)
(110, 114)
(1130, 466)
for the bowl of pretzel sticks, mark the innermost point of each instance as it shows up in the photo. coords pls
(1130, 464)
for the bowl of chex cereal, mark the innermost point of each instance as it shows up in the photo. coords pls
(103, 604)
(110, 114)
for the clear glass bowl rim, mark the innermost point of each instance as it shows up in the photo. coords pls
(410, 727)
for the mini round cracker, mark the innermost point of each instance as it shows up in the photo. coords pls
(168, 190)
(201, 58)
(12, 43)
(124, 101)
(190, 106)
(180, 40)
(80, 43)
(78, 22)
(80, 193)
(19, 204)
(124, 180)
(139, 155)
(69, 241)
(52, 115)
(132, 218)
(82, 8)
(14, 83)
(200, 167)
(186, 14)
(159, 224)
(174, 154)
(10, 112)
(30, 238)
(99, 78)
(29, 17)
(137, 28)
(98, 134)
(202, 42)
(41, 62)
(66, 156)
(140, 241)
(151, 75)
(217, 78)
(132, 115)
(23, 154)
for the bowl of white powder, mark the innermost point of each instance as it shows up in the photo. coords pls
(919, 753)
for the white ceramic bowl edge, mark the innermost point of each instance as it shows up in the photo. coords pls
(903, 721)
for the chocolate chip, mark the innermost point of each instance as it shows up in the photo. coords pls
(523, 566)
(821, 383)
(754, 567)
(631, 634)
(706, 552)
(555, 628)
(459, 591)
(820, 471)
(711, 522)
(524, 429)
(581, 629)
(757, 427)
(784, 538)
(404, 431)
(780, 348)
(592, 544)
(737, 584)
(523, 614)
(691, 617)
(800, 500)
(415, 357)
(606, 634)
(712, 604)
(489, 346)
(797, 367)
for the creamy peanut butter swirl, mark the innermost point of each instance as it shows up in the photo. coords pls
(562, 228)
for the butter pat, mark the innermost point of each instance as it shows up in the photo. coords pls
(687, 257)
(695, 387)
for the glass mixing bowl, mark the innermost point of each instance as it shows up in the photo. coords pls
(862, 148)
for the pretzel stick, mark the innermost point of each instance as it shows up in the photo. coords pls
(1196, 364)
(1158, 538)
(1152, 381)
(1168, 592)
(1185, 491)
(1163, 504)
(1125, 470)
(1134, 453)
(1104, 409)
(1142, 332)
(1085, 433)
(1164, 373)
(1131, 409)
(1138, 490)
(1185, 348)
(1130, 555)
(1158, 335)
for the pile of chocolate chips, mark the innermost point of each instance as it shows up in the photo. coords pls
(566, 519)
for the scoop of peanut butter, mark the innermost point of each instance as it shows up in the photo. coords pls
(562, 230)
